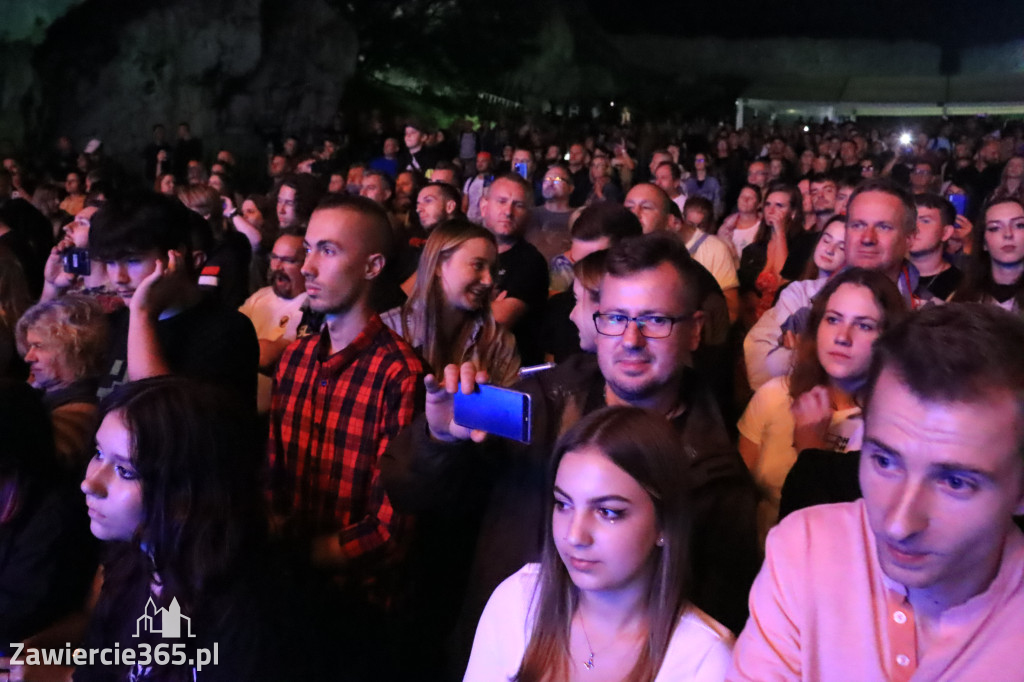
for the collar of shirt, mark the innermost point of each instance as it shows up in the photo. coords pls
(336, 363)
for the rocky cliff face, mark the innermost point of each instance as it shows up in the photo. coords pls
(237, 70)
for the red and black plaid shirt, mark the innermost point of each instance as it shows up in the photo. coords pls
(331, 418)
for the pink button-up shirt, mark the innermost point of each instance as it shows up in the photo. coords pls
(822, 609)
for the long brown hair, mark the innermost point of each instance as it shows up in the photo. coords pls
(421, 314)
(794, 219)
(978, 283)
(645, 446)
(807, 370)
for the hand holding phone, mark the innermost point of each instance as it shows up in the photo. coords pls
(959, 202)
(440, 410)
(499, 411)
(76, 261)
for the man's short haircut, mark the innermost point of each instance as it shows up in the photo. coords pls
(606, 219)
(380, 237)
(922, 161)
(822, 177)
(565, 172)
(649, 251)
(589, 270)
(887, 186)
(946, 210)
(666, 200)
(672, 167)
(385, 179)
(416, 124)
(309, 190)
(846, 181)
(959, 352)
(517, 179)
(448, 192)
(137, 223)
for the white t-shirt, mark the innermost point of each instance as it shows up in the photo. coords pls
(698, 651)
(474, 190)
(681, 200)
(763, 352)
(768, 423)
(715, 256)
(741, 239)
(274, 318)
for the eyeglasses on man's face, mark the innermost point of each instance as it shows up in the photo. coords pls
(650, 326)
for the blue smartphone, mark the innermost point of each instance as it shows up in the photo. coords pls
(521, 169)
(498, 411)
(959, 202)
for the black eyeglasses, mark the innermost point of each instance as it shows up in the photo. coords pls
(650, 326)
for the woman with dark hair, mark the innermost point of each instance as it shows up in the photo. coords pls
(175, 485)
(165, 183)
(765, 263)
(996, 265)
(47, 557)
(447, 317)
(256, 220)
(818, 404)
(610, 593)
(702, 183)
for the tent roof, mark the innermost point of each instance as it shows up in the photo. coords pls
(889, 95)
(891, 89)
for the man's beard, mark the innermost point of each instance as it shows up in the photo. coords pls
(281, 283)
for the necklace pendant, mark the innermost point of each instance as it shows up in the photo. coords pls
(589, 663)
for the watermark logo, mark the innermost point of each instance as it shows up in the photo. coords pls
(168, 623)
(165, 622)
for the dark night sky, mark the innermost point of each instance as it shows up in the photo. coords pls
(956, 23)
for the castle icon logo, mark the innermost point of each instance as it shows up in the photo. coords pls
(166, 622)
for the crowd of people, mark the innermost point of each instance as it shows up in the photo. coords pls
(774, 379)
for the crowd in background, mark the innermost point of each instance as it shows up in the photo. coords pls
(260, 358)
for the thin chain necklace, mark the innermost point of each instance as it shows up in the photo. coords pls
(589, 663)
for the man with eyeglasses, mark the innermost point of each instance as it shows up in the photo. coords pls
(276, 310)
(549, 229)
(649, 326)
(922, 177)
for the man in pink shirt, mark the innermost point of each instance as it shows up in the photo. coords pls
(924, 577)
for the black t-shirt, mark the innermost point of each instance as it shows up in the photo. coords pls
(801, 250)
(207, 343)
(943, 284)
(226, 271)
(523, 274)
(581, 186)
(561, 337)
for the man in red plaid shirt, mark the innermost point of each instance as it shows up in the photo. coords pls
(339, 397)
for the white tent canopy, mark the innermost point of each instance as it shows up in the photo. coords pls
(850, 97)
